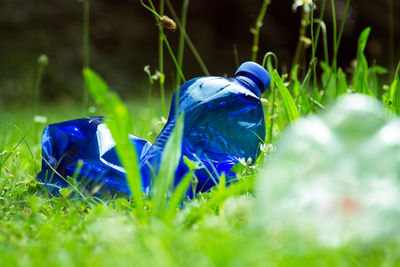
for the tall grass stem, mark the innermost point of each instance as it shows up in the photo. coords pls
(42, 63)
(119, 122)
(391, 36)
(339, 37)
(161, 58)
(187, 39)
(182, 31)
(257, 27)
(86, 50)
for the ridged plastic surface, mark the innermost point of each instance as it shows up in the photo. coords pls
(84, 148)
(223, 122)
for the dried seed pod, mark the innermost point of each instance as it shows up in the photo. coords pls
(168, 23)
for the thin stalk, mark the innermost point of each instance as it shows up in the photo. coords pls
(391, 36)
(161, 58)
(182, 31)
(86, 50)
(300, 46)
(158, 17)
(149, 95)
(321, 17)
(267, 61)
(187, 39)
(334, 60)
(271, 116)
(336, 48)
(29, 149)
(42, 63)
(313, 49)
(322, 26)
(236, 55)
(259, 23)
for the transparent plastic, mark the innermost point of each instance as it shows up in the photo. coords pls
(223, 122)
(84, 149)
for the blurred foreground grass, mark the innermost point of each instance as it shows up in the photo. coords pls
(40, 231)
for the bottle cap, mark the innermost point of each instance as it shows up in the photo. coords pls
(256, 71)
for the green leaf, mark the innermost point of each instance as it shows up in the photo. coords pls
(342, 83)
(360, 78)
(164, 182)
(288, 102)
(64, 192)
(363, 39)
(394, 98)
(180, 190)
(329, 82)
(119, 123)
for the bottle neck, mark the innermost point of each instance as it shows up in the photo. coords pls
(250, 82)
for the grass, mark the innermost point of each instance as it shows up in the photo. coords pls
(214, 229)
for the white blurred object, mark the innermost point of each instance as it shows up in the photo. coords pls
(335, 177)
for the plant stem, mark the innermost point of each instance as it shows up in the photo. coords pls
(161, 58)
(42, 63)
(181, 47)
(236, 55)
(334, 60)
(271, 116)
(321, 16)
(38, 82)
(313, 48)
(259, 23)
(164, 39)
(86, 50)
(336, 48)
(391, 36)
(300, 46)
(267, 62)
(187, 39)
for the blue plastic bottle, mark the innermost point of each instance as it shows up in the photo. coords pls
(84, 148)
(223, 121)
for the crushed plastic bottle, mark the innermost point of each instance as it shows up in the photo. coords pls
(85, 149)
(335, 177)
(223, 122)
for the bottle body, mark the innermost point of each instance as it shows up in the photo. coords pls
(84, 148)
(223, 122)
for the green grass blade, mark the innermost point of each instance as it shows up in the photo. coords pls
(120, 124)
(180, 191)
(360, 78)
(188, 40)
(329, 82)
(258, 25)
(182, 39)
(288, 102)
(363, 39)
(394, 93)
(341, 83)
(170, 160)
(267, 61)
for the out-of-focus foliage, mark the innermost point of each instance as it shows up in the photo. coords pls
(123, 38)
(336, 177)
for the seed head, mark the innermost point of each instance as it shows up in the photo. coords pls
(168, 23)
(43, 60)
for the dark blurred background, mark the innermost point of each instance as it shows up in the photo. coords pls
(124, 38)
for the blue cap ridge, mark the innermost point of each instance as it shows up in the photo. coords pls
(257, 71)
